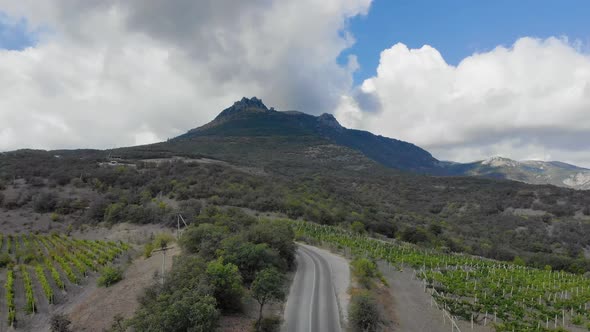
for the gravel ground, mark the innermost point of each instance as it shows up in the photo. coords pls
(413, 310)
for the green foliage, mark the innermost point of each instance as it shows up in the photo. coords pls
(578, 320)
(5, 260)
(30, 305)
(364, 313)
(332, 185)
(268, 287)
(415, 235)
(278, 234)
(40, 273)
(365, 270)
(183, 303)
(249, 257)
(520, 296)
(162, 240)
(357, 227)
(114, 213)
(110, 275)
(54, 217)
(147, 249)
(518, 261)
(226, 283)
(204, 239)
(9, 288)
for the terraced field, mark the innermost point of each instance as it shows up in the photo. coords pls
(37, 271)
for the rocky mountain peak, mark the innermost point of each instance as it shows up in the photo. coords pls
(245, 104)
(329, 120)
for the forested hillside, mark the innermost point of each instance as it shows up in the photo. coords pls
(331, 185)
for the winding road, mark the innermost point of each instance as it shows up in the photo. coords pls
(312, 305)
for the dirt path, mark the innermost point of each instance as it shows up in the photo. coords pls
(413, 310)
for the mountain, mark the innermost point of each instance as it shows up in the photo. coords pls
(250, 118)
(530, 171)
(300, 166)
(249, 133)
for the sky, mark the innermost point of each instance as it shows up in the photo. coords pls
(465, 80)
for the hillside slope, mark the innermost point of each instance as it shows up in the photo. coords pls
(529, 171)
(250, 118)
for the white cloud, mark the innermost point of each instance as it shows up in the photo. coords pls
(112, 73)
(527, 101)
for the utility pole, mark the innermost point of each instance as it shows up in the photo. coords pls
(163, 250)
(178, 219)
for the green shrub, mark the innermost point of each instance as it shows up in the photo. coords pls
(162, 240)
(109, 276)
(365, 270)
(5, 260)
(147, 249)
(44, 202)
(357, 227)
(364, 313)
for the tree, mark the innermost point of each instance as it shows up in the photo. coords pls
(204, 239)
(226, 282)
(249, 257)
(267, 287)
(278, 234)
(60, 323)
(184, 303)
(179, 311)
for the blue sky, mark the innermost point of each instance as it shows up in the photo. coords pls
(144, 71)
(458, 28)
(15, 33)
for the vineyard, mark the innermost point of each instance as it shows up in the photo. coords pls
(506, 296)
(36, 268)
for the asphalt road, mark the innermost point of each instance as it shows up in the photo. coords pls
(312, 304)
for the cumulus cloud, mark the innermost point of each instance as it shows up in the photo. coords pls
(112, 73)
(531, 100)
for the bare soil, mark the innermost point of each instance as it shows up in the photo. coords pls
(95, 309)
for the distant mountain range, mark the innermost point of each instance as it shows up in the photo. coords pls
(249, 127)
(529, 171)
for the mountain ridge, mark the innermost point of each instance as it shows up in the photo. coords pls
(531, 171)
(250, 117)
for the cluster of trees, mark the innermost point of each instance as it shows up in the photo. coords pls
(470, 215)
(227, 255)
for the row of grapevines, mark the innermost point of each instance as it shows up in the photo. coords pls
(65, 267)
(55, 275)
(29, 296)
(40, 272)
(9, 287)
